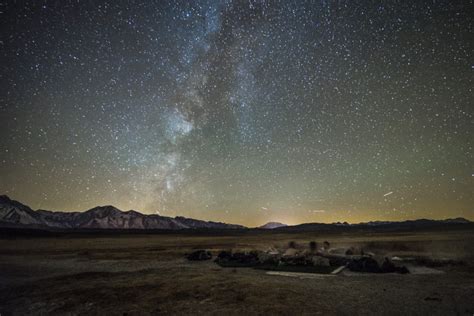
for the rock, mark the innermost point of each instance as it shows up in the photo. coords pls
(364, 264)
(295, 261)
(290, 252)
(199, 255)
(271, 256)
(337, 251)
(337, 260)
(224, 254)
(388, 266)
(237, 259)
(246, 258)
(320, 261)
(272, 251)
(326, 245)
(403, 270)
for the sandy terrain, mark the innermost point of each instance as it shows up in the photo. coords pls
(147, 274)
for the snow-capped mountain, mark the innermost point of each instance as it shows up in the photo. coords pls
(272, 225)
(13, 213)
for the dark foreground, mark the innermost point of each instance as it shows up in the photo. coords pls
(148, 274)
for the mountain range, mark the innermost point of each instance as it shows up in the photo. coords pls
(407, 225)
(17, 215)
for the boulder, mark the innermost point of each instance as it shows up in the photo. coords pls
(237, 259)
(337, 251)
(402, 270)
(199, 255)
(271, 256)
(388, 266)
(295, 261)
(224, 254)
(326, 245)
(320, 261)
(351, 251)
(272, 251)
(290, 252)
(364, 264)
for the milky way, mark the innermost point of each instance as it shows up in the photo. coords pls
(240, 111)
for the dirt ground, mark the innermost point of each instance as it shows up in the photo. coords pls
(147, 274)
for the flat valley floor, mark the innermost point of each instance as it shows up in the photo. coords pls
(148, 274)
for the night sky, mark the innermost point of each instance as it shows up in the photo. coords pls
(240, 111)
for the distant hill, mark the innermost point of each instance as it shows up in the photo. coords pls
(16, 214)
(380, 225)
(272, 225)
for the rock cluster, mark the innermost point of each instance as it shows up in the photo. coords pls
(237, 259)
(295, 257)
(199, 255)
(369, 264)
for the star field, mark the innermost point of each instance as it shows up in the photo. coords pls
(240, 111)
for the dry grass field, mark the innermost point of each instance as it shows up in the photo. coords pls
(148, 274)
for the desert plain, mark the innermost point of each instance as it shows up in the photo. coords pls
(148, 274)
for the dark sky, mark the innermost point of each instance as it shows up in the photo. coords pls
(240, 111)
